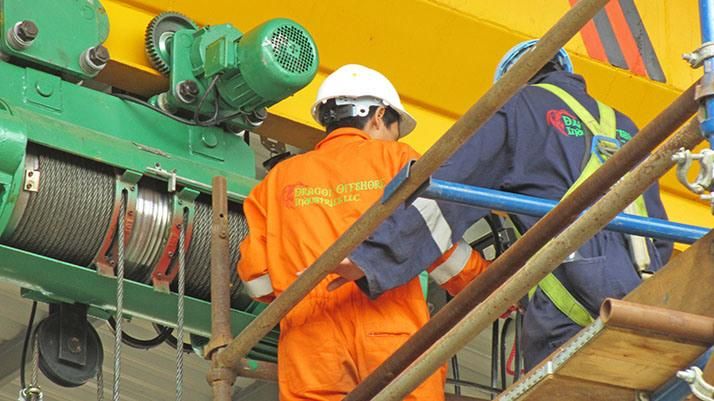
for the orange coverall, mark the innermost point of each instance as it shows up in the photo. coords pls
(332, 340)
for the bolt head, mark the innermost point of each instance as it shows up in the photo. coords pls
(27, 30)
(99, 55)
(188, 90)
(74, 345)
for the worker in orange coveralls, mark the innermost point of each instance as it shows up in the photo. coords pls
(333, 339)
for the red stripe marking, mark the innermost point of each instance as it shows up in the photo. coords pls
(591, 38)
(625, 38)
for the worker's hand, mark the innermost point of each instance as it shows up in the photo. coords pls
(348, 272)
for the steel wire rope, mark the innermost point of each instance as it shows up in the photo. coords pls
(180, 306)
(120, 297)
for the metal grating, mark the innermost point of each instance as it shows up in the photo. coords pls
(293, 49)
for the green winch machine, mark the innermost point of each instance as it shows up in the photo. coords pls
(74, 151)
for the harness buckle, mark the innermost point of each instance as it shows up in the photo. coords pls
(604, 147)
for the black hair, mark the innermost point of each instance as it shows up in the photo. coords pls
(329, 109)
(551, 66)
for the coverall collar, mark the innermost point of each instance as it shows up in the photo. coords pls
(342, 136)
(563, 79)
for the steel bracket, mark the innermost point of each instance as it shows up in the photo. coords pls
(72, 332)
(698, 56)
(684, 159)
(127, 182)
(166, 269)
(700, 388)
(399, 179)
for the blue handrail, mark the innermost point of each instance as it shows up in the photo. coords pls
(532, 206)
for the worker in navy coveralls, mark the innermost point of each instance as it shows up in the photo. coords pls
(535, 145)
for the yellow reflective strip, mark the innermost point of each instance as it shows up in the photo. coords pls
(564, 300)
(577, 108)
(608, 121)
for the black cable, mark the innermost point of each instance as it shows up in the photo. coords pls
(196, 112)
(504, 334)
(30, 323)
(455, 361)
(140, 343)
(494, 354)
(152, 107)
(457, 375)
(517, 345)
(172, 340)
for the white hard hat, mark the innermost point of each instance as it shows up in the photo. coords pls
(362, 86)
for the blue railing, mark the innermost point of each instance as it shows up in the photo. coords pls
(532, 206)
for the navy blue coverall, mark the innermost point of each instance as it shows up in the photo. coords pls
(533, 146)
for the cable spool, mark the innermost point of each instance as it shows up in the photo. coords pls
(70, 213)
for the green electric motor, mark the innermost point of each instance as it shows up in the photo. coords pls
(220, 75)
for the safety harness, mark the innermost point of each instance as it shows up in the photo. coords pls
(604, 144)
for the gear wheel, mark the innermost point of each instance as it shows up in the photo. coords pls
(158, 32)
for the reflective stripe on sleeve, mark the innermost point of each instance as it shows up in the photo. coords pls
(435, 221)
(259, 287)
(453, 265)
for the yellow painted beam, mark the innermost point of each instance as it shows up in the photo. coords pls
(440, 54)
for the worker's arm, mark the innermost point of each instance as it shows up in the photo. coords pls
(253, 264)
(455, 269)
(414, 237)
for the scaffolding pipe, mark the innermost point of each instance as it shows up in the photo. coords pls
(531, 206)
(542, 263)
(706, 17)
(252, 369)
(658, 321)
(220, 289)
(459, 133)
(535, 238)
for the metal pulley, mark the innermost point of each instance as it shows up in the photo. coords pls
(70, 349)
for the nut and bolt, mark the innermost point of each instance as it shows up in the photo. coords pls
(94, 59)
(27, 30)
(22, 35)
(188, 91)
(98, 55)
(74, 345)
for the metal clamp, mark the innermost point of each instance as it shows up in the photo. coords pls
(31, 393)
(700, 388)
(104, 260)
(698, 56)
(165, 269)
(684, 159)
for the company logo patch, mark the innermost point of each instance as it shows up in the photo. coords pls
(566, 123)
(623, 136)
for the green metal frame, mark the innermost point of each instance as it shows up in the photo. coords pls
(52, 280)
(130, 136)
(12, 160)
(41, 108)
(67, 28)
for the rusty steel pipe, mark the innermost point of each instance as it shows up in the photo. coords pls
(220, 289)
(459, 133)
(623, 193)
(546, 228)
(658, 321)
(252, 369)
